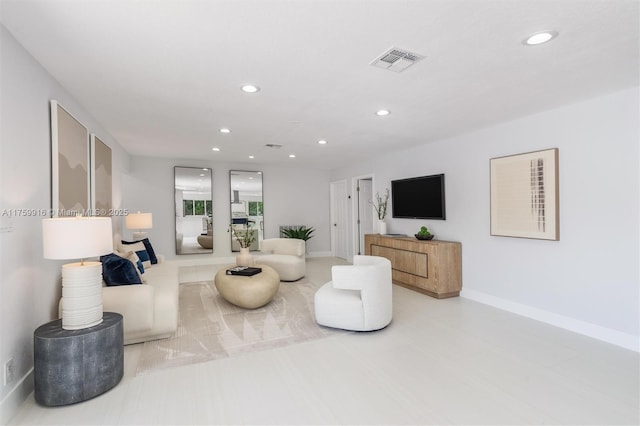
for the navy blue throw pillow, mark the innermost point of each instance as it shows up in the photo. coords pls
(140, 265)
(150, 255)
(139, 248)
(150, 252)
(117, 270)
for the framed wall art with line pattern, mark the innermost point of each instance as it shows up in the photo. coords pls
(524, 195)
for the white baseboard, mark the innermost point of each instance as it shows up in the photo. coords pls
(13, 400)
(615, 337)
(320, 254)
(211, 260)
(194, 260)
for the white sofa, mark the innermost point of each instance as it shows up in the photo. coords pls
(285, 255)
(359, 297)
(150, 309)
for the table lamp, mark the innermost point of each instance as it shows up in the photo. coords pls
(79, 238)
(139, 221)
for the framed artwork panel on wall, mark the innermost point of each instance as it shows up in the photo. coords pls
(101, 198)
(69, 164)
(525, 195)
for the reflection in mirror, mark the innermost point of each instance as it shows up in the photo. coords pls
(246, 205)
(194, 210)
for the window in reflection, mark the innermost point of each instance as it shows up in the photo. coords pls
(194, 210)
(247, 207)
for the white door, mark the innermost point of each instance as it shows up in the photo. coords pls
(338, 194)
(364, 216)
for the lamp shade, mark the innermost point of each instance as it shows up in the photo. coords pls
(139, 221)
(76, 237)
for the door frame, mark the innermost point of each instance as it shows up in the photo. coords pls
(332, 215)
(355, 207)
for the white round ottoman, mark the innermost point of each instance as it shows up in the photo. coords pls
(248, 292)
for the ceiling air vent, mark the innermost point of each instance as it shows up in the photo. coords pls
(396, 59)
(273, 146)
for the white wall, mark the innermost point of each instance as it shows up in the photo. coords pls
(590, 276)
(292, 196)
(31, 285)
(587, 281)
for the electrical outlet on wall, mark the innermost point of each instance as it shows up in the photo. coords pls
(9, 372)
(6, 224)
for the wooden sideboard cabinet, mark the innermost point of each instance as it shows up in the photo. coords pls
(430, 267)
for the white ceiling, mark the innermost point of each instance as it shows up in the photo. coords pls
(249, 183)
(193, 179)
(163, 76)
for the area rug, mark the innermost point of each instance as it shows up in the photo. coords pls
(211, 328)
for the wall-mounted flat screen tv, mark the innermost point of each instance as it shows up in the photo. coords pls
(419, 197)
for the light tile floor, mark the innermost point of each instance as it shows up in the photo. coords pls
(451, 361)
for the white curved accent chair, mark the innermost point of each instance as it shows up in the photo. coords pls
(286, 256)
(359, 297)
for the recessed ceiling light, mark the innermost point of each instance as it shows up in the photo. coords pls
(383, 112)
(215, 149)
(539, 38)
(201, 174)
(250, 88)
(292, 156)
(225, 130)
(322, 142)
(251, 156)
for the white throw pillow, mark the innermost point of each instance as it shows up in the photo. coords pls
(139, 249)
(133, 258)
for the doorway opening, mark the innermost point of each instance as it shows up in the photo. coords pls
(339, 218)
(363, 211)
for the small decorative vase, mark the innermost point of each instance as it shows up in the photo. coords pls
(382, 227)
(244, 258)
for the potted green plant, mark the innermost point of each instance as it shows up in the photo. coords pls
(424, 234)
(245, 236)
(381, 209)
(299, 232)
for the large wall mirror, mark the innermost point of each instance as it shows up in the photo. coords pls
(247, 209)
(194, 210)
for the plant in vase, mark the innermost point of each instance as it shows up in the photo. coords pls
(298, 232)
(424, 234)
(245, 236)
(381, 209)
(209, 225)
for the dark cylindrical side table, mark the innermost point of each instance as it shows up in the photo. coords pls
(75, 365)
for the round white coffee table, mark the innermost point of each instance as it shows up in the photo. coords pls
(248, 292)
